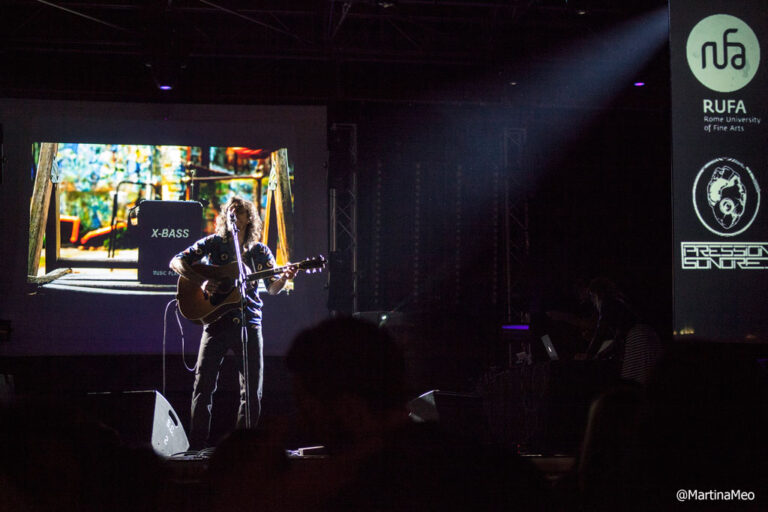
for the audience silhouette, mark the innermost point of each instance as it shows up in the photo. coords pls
(697, 425)
(349, 382)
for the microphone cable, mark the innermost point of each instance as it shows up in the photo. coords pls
(181, 331)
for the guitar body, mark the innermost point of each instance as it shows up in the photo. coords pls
(203, 308)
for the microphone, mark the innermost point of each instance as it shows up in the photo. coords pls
(231, 220)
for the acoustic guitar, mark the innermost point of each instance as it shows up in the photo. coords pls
(204, 308)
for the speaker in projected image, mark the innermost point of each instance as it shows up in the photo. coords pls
(165, 229)
(140, 417)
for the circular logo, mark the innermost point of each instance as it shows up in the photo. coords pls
(723, 52)
(726, 196)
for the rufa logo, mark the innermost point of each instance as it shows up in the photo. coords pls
(723, 52)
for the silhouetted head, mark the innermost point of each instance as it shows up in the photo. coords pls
(348, 378)
(347, 356)
(611, 304)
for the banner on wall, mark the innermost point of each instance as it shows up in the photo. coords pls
(720, 168)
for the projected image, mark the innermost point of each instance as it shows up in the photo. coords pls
(261, 177)
(99, 190)
(98, 187)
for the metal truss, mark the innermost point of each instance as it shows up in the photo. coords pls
(343, 213)
(516, 223)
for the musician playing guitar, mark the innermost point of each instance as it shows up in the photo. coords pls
(223, 333)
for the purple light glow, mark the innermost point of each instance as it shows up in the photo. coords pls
(516, 327)
(165, 87)
(639, 84)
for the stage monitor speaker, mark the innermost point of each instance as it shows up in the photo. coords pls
(165, 229)
(460, 414)
(140, 417)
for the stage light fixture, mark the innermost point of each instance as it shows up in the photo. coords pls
(166, 71)
(578, 7)
(165, 52)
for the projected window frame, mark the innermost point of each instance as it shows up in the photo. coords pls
(90, 182)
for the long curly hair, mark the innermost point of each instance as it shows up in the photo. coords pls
(252, 229)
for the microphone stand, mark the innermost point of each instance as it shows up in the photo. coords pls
(241, 284)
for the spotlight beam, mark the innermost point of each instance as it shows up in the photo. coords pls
(592, 74)
(607, 62)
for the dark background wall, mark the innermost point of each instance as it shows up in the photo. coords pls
(432, 205)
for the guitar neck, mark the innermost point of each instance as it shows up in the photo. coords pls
(308, 265)
(261, 274)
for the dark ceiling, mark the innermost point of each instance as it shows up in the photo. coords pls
(297, 51)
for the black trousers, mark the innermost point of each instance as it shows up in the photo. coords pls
(217, 338)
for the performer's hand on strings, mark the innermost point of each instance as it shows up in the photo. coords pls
(288, 274)
(213, 286)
